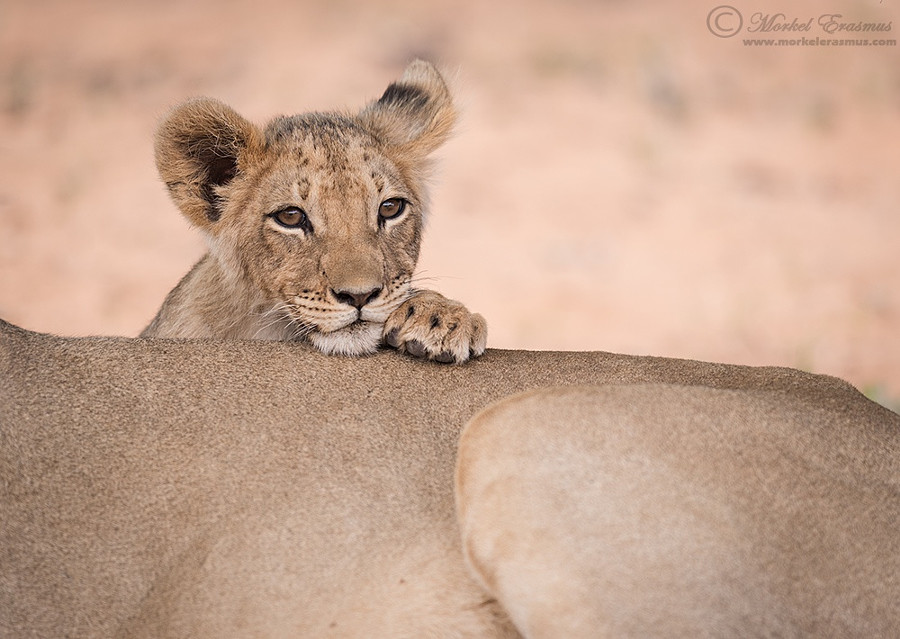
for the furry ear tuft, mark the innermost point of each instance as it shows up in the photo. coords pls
(415, 115)
(200, 146)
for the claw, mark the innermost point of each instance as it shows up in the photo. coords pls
(391, 338)
(416, 348)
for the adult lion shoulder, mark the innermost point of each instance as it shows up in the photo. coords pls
(314, 225)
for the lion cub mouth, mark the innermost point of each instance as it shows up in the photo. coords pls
(345, 329)
(360, 337)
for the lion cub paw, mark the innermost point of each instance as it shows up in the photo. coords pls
(430, 326)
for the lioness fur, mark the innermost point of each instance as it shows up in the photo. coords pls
(314, 225)
(659, 510)
(194, 488)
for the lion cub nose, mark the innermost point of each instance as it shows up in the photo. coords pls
(355, 299)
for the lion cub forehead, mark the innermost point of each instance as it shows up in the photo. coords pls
(329, 147)
(328, 130)
(328, 142)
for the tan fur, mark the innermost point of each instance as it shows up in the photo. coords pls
(686, 511)
(343, 279)
(193, 488)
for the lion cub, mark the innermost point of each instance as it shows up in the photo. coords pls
(313, 225)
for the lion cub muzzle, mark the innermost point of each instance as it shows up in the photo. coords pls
(353, 277)
(355, 300)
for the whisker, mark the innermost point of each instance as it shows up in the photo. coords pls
(278, 314)
(301, 331)
(420, 280)
(419, 277)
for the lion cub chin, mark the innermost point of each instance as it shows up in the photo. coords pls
(313, 224)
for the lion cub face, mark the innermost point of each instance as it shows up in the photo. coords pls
(327, 228)
(319, 215)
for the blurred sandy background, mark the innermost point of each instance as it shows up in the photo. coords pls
(622, 180)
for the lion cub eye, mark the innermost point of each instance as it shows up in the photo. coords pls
(391, 208)
(292, 218)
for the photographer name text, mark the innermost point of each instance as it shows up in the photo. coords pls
(830, 23)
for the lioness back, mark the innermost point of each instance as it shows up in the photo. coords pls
(186, 488)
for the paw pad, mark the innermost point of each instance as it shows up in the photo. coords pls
(430, 326)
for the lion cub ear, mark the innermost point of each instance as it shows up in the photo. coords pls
(415, 115)
(201, 146)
